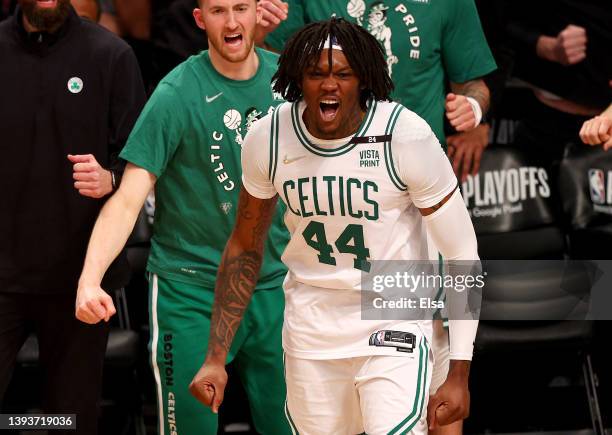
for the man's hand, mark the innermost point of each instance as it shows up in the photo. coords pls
(273, 12)
(452, 400)
(93, 304)
(465, 150)
(597, 130)
(571, 45)
(459, 112)
(91, 179)
(567, 48)
(208, 385)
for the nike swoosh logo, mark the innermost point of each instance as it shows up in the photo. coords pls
(288, 161)
(211, 99)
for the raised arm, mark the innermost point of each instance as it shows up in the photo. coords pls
(236, 280)
(273, 12)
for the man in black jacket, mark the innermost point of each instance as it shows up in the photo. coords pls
(562, 51)
(71, 92)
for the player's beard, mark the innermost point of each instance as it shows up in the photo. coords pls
(45, 19)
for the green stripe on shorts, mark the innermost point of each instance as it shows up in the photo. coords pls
(408, 423)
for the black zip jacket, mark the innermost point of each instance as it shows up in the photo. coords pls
(77, 91)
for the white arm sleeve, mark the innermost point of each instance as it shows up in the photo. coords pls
(420, 160)
(256, 160)
(428, 175)
(452, 232)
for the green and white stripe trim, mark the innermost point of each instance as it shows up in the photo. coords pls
(327, 152)
(154, 349)
(273, 145)
(388, 153)
(406, 425)
(294, 430)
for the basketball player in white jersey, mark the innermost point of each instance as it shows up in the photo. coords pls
(354, 171)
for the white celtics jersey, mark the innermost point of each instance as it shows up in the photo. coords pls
(349, 201)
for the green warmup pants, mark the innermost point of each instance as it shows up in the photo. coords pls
(180, 323)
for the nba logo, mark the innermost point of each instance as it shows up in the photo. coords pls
(596, 182)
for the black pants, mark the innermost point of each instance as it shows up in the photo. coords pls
(71, 354)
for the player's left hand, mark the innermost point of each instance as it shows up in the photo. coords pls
(459, 112)
(450, 403)
(465, 150)
(90, 179)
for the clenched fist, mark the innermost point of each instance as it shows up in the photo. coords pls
(93, 304)
(273, 12)
(460, 112)
(208, 385)
(597, 130)
(567, 48)
(91, 179)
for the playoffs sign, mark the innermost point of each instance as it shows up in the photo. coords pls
(508, 193)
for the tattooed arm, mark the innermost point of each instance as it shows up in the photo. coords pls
(459, 111)
(477, 89)
(236, 280)
(466, 147)
(238, 271)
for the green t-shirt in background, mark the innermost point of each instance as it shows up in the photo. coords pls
(426, 42)
(190, 136)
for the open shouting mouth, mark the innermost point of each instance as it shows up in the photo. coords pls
(329, 109)
(46, 3)
(233, 40)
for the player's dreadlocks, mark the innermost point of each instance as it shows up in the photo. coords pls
(364, 54)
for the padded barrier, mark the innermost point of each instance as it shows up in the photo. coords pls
(509, 193)
(121, 350)
(512, 205)
(585, 186)
(512, 209)
(536, 290)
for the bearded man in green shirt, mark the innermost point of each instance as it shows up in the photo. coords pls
(187, 145)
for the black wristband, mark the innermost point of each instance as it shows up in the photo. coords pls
(115, 179)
